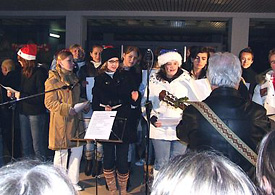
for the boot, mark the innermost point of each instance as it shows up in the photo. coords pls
(122, 182)
(89, 163)
(96, 168)
(88, 167)
(110, 180)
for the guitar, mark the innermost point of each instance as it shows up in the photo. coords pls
(173, 100)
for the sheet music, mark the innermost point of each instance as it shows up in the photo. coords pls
(202, 88)
(100, 125)
(9, 89)
(168, 121)
(80, 106)
(113, 107)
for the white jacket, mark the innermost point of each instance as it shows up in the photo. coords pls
(182, 86)
(264, 94)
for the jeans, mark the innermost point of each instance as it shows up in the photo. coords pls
(165, 150)
(33, 136)
(90, 151)
(61, 158)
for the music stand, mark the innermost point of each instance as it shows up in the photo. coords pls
(115, 138)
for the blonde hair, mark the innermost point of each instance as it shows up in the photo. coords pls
(63, 54)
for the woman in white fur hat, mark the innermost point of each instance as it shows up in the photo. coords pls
(175, 80)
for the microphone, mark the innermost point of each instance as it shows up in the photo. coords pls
(149, 59)
(67, 86)
(70, 87)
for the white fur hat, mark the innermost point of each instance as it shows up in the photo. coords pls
(169, 56)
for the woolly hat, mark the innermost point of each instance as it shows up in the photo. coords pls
(168, 56)
(109, 53)
(28, 52)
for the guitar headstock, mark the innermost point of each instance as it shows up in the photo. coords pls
(167, 97)
(172, 100)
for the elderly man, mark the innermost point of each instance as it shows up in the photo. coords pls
(246, 119)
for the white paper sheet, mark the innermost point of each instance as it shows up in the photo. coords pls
(9, 89)
(202, 88)
(80, 106)
(167, 121)
(100, 125)
(89, 87)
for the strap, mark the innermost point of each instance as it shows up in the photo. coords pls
(226, 132)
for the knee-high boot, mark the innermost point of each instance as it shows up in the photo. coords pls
(110, 180)
(122, 182)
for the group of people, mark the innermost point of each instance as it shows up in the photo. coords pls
(222, 81)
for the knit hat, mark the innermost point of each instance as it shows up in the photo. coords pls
(169, 55)
(109, 53)
(28, 52)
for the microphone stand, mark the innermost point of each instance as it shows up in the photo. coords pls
(13, 105)
(36, 95)
(148, 106)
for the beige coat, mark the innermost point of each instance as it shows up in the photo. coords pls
(63, 127)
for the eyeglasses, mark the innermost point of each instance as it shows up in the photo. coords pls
(113, 61)
(163, 51)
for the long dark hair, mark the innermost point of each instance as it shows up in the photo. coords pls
(27, 66)
(193, 53)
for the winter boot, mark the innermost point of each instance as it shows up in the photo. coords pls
(97, 168)
(89, 163)
(122, 182)
(110, 180)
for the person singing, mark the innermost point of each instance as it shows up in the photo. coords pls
(114, 90)
(65, 122)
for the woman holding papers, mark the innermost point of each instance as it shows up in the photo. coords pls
(164, 117)
(32, 111)
(114, 90)
(65, 118)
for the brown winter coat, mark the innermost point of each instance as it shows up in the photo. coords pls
(63, 127)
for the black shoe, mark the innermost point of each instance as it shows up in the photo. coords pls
(97, 169)
(128, 184)
(106, 186)
(88, 167)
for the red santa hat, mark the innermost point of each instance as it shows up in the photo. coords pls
(28, 52)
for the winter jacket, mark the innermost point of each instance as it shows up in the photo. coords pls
(32, 86)
(264, 94)
(114, 91)
(246, 119)
(63, 127)
(181, 86)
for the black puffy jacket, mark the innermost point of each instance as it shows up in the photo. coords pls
(246, 119)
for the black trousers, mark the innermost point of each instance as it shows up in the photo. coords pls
(116, 156)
